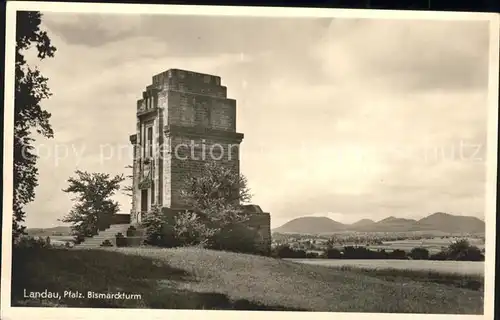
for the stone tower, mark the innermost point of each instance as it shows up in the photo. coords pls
(184, 119)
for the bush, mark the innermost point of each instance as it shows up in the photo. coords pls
(131, 231)
(460, 250)
(154, 223)
(397, 254)
(177, 229)
(333, 253)
(121, 241)
(32, 242)
(235, 238)
(285, 251)
(419, 254)
(106, 243)
(440, 256)
(79, 238)
(191, 230)
(312, 255)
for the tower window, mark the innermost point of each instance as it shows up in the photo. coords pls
(149, 143)
(206, 79)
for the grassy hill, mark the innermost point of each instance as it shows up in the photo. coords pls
(190, 278)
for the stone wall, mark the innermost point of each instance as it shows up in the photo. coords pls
(200, 126)
(189, 109)
(187, 161)
(261, 222)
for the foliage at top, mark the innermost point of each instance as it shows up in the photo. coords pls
(93, 197)
(29, 117)
(218, 193)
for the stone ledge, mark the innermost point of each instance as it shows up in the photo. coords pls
(200, 132)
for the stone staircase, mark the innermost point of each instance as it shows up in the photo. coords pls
(108, 234)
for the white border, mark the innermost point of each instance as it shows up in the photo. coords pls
(9, 313)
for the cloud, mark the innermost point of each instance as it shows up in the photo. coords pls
(409, 54)
(340, 115)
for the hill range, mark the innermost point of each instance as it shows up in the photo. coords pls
(439, 221)
(442, 222)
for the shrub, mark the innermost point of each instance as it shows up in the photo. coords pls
(236, 238)
(106, 243)
(312, 255)
(397, 254)
(419, 254)
(440, 256)
(154, 224)
(131, 231)
(121, 241)
(284, 251)
(177, 229)
(32, 242)
(79, 238)
(333, 253)
(191, 230)
(460, 250)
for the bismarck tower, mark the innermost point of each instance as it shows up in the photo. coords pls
(184, 120)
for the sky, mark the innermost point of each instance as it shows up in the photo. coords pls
(345, 118)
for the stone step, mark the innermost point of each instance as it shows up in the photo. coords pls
(108, 234)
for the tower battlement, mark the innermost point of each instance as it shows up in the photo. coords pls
(186, 81)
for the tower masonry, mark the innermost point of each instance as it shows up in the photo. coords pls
(184, 120)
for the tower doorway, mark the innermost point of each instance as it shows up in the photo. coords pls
(144, 200)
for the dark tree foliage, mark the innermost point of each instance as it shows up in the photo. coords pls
(29, 117)
(419, 254)
(333, 253)
(218, 194)
(94, 192)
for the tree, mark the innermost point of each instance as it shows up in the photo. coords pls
(218, 193)
(419, 254)
(30, 89)
(93, 199)
(462, 250)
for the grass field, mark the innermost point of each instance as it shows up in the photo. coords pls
(190, 278)
(433, 245)
(458, 267)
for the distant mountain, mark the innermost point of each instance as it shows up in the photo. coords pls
(361, 223)
(451, 223)
(311, 225)
(391, 224)
(439, 221)
(47, 232)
